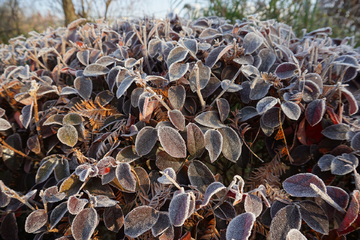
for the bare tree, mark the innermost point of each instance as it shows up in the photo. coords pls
(69, 11)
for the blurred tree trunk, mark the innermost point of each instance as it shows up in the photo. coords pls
(69, 11)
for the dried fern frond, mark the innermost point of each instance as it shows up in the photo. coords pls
(268, 173)
(96, 114)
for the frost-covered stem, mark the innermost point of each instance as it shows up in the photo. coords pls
(171, 180)
(203, 103)
(145, 50)
(15, 150)
(224, 90)
(159, 99)
(11, 193)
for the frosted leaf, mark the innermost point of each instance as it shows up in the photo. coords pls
(26, 113)
(316, 78)
(276, 206)
(172, 142)
(84, 87)
(103, 98)
(286, 219)
(83, 57)
(216, 54)
(68, 91)
(344, 164)
(353, 105)
(291, 110)
(177, 95)
(210, 119)
(286, 70)
(162, 224)
(105, 61)
(204, 76)
(259, 88)
(72, 119)
(127, 154)
(299, 185)
(145, 140)
(154, 47)
(232, 88)
(352, 212)
(33, 144)
(250, 71)
(177, 119)
(253, 204)
(102, 201)
(71, 185)
(139, 220)
(124, 85)
(212, 189)
(179, 208)
(74, 24)
(84, 224)
(54, 119)
(35, 220)
(195, 140)
(125, 177)
(232, 144)
(111, 77)
(45, 170)
(177, 70)
(295, 234)
(355, 141)
(265, 104)
(225, 211)
(209, 33)
(190, 44)
(247, 113)
(143, 179)
(76, 205)
(113, 218)
(271, 118)
(171, 173)
(57, 214)
(240, 227)
(252, 41)
(177, 54)
(314, 216)
(52, 195)
(200, 175)
(315, 111)
(268, 59)
(244, 60)
(94, 70)
(326, 197)
(164, 160)
(337, 131)
(311, 90)
(135, 94)
(325, 162)
(4, 124)
(213, 143)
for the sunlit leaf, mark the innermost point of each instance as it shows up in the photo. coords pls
(230, 87)
(76, 205)
(94, 70)
(253, 204)
(4, 124)
(140, 220)
(232, 144)
(127, 154)
(26, 114)
(84, 224)
(265, 104)
(212, 189)
(295, 234)
(171, 173)
(83, 57)
(177, 70)
(299, 185)
(240, 227)
(177, 54)
(216, 54)
(210, 119)
(71, 185)
(35, 220)
(172, 142)
(46, 169)
(145, 140)
(325, 162)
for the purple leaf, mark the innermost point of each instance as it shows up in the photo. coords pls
(213, 143)
(177, 119)
(200, 175)
(52, 195)
(179, 208)
(84, 224)
(140, 220)
(127, 154)
(285, 219)
(286, 70)
(94, 70)
(125, 177)
(299, 185)
(177, 95)
(113, 218)
(172, 142)
(223, 108)
(225, 211)
(291, 110)
(195, 140)
(145, 140)
(76, 205)
(232, 144)
(84, 87)
(315, 111)
(212, 189)
(240, 227)
(344, 164)
(352, 212)
(209, 119)
(325, 162)
(252, 41)
(253, 204)
(265, 104)
(314, 216)
(35, 220)
(337, 131)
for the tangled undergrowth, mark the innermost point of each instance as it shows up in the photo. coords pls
(178, 129)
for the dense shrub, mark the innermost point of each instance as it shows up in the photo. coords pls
(176, 129)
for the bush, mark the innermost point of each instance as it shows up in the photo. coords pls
(177, 129)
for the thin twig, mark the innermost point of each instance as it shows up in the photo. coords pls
(203, 103)
(159, 99)
(15, 150)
